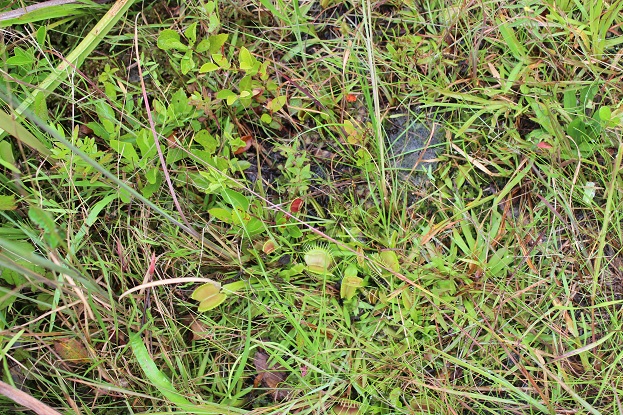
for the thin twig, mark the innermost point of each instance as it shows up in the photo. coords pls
(24, 399)
(152, 126)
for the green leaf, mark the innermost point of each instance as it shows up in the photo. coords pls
(75, 58)
(50, 12)
(179, 101)
(21, 57)
(17, 130)
(145, 143)
(570, 100)
(254, 226)
(499, 263)
(212, 302)
(577, 130)
(221, 214)
(98, 207)
(170, 39)
(164, 385)
(277, 103)
(191, 33)
(235, 199)
(187, 63)
(514, 45)
(214, 23)
(390, 260)
(246, 59)
(604, 113)
(6, 156)
(349, 286)
(43, 219)
(217, 42)
(205, 290)
(208, 67)
(152, 175)
(41, 34)
(203, 46)
(225, 93)
(266, 118)
(221, 61)
(207, 141)
(7, 203)
(126, 150)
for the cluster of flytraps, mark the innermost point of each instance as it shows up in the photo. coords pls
(318, 259)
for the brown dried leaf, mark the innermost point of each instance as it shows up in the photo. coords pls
(72, 351)
(200, 330)
(270, 377)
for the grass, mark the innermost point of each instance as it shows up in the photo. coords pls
(491, 286)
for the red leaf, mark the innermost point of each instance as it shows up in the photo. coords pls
(351, 97)
(248, 140)
(544, 145)
(296, 204)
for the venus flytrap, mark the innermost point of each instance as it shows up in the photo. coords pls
(212, 294)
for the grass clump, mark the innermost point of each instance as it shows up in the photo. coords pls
(202, 209)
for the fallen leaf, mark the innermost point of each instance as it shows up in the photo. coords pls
(270, 376)
(72, 351)
(201, 330)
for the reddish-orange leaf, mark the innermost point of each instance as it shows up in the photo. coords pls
(296, 204)
(172, 139)
(351, 97)
(248, 141)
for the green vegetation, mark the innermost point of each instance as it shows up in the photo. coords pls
(201, 211)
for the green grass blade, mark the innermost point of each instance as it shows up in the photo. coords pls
(42, 11)
(164, 385)
(17, 130)
(77, 56)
